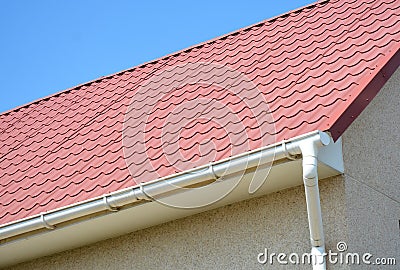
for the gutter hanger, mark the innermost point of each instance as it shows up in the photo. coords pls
(307, 145)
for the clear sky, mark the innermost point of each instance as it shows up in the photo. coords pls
(48, 46)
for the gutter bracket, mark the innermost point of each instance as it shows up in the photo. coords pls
(144, 195)
(211, 171)
(288, 155)
(108, 205)
(45, 224)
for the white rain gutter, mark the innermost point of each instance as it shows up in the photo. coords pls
(307, 145)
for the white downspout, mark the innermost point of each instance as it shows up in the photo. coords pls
(309, 149)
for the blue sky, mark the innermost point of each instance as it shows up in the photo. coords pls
(48, 46)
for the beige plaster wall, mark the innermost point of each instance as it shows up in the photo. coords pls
(371, 148)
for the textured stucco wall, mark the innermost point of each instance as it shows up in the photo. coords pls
(372, 161)
(225, 238)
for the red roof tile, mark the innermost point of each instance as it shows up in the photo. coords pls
(313, 68)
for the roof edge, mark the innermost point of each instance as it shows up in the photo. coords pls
(112, 201)
(390, 64)
(76, 87)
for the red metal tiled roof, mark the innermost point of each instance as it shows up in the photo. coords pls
(313, 68)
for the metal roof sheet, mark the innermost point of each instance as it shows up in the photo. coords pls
(314, 68)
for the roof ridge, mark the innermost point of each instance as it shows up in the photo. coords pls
(76, 87)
